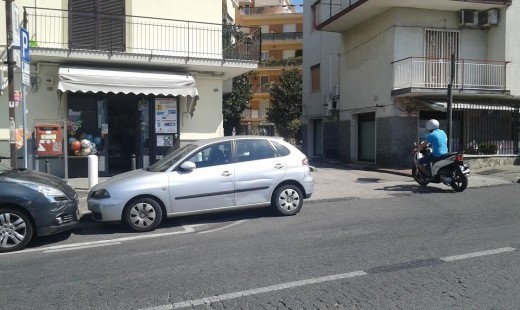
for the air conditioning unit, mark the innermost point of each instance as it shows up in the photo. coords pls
(488, 18)
(468, 18)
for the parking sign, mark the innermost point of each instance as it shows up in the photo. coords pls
(24, 45)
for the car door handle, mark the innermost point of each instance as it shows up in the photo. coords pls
(279, 166)
(226, 173)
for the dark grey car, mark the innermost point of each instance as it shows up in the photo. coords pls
(33, 203)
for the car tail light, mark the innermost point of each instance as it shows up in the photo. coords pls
(459, 157)
(305, 161)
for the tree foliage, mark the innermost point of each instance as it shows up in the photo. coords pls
(236, 102)
(286, 104)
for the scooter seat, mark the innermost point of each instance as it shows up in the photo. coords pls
(436, 159)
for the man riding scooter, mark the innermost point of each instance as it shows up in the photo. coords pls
(439, 143)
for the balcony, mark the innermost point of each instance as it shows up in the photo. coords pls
(106, 35)
(286, 62)
(341, 15)
(268, 10)
(283, 36)
(431, 75)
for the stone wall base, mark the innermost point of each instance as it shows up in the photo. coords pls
(488, 161)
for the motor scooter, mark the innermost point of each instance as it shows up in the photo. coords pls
(448, 169)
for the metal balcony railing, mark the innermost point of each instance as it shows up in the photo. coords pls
(435, 73)
(324, 10)
(282, 36)
(55, 29)
(265, 10)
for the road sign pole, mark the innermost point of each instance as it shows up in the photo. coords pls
(25, 61)
(10, 79)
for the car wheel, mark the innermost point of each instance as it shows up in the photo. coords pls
(143, 214)
(15, 230)
(288, 200)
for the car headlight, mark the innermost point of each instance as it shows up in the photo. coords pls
(100, 194)
(51, 193)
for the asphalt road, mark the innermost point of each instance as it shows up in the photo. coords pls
(433, 249)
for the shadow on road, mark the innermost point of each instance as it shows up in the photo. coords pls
(416, 189)
(88, 226)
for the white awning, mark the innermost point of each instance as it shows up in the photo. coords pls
(109, 80)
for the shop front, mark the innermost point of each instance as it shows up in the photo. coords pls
(129, 119)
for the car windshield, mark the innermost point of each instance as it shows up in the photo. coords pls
(168, 160)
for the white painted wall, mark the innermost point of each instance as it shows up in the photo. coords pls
(209, 11)
(207, 119)
(319, 48)
(512, 40)
(42, 103)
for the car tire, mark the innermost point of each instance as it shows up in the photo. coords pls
(16, 230)
(287, 199)
(143, 214)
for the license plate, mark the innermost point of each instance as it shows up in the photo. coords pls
(464, 169)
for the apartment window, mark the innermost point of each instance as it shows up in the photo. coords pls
(265, 55)
(289, 28)
(441, 43)
(288, 54)
(315, 78)
(264, 84)
(438, 47)
(262, 108)
(97, 24)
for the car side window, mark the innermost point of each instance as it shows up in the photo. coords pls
(212, 155)
(248, 150)
(282, 149)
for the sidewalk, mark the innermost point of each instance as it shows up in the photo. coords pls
(365, 181)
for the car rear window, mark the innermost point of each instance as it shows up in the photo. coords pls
(282, 149)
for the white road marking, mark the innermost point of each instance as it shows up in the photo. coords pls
(477, 254)
(107, 241)
(261, 290)
(223, 227)
(81, 247)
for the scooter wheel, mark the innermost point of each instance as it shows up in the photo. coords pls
(460, 181)
(417, 176)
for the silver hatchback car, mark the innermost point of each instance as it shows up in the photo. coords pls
(207, 176)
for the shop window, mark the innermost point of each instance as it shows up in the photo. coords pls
(83, 130)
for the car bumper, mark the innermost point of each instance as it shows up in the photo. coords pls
(51, 230)
(308, 185)
(62, 218)
(106, 210)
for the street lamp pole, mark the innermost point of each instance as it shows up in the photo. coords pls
(10, 79)
(450, 101)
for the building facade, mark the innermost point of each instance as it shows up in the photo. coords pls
(395, 61)
(134, 78)
(281, 23)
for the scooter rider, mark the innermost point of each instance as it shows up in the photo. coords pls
(438, 141)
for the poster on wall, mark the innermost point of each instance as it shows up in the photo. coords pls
(165, 115)
(164, 140)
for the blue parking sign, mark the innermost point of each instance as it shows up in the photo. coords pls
(24, 45)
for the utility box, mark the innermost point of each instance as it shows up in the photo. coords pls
(48, 140)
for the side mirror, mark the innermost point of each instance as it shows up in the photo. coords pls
(188, 166)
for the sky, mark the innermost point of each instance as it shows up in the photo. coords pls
(298, 4)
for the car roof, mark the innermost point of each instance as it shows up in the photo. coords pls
(229, 138)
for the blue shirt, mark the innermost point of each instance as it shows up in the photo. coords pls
(439, 142)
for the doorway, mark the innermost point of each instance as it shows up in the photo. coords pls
(123, 129)
(317, 137)
(367, 137)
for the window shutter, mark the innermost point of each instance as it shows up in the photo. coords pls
(111, 25)
(82, 21)
(97, 24)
